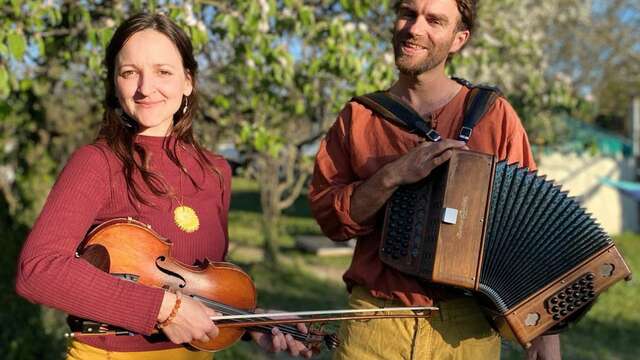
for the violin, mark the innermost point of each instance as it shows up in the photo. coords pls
(131, 250)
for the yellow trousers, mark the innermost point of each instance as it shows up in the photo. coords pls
(459, 331)
(80, 351)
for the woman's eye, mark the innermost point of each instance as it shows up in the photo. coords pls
(127, 73)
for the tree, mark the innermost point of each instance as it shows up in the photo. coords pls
(601, 56)
(291, 66)
(509, 50)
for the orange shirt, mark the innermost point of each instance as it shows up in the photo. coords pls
(357, 145)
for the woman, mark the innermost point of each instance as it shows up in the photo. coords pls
(145, 164)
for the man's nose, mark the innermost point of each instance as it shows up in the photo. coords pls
(417, 27)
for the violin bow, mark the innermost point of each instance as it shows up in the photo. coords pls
(317, 316)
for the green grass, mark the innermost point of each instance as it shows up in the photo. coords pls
(287, 288)
(245, 224)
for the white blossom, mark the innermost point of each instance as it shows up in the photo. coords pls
(388, 58)
(349, 27)
(7, 174)
(190, 16)
(10, 145)
(263, 27)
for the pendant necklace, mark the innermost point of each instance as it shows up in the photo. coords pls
(185, 216)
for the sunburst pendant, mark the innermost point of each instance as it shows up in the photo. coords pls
(186, 219)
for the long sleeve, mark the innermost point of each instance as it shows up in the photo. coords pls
(226, 201)
(50, 274)
(334, 182)
(518, 148)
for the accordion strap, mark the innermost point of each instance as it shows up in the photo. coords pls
(478, 101)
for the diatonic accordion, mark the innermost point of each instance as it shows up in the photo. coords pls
(529, 251)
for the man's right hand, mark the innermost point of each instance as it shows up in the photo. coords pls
(420, 161)
(370, 196)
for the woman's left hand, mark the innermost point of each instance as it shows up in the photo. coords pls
(277, 341)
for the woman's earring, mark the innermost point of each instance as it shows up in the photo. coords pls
(186, 103)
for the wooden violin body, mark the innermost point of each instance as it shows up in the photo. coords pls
(129, 249)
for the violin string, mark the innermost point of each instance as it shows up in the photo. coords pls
(229, 310)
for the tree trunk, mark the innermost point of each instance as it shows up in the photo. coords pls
(268, 179)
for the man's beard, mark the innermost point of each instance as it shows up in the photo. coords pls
(412, 66)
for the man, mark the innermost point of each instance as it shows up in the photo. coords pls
(364, 158)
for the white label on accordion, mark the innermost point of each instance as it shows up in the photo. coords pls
(450, 216)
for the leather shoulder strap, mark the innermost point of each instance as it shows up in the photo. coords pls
(390, 108)
(478, 101)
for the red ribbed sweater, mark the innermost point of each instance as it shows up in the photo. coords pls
(91, 189)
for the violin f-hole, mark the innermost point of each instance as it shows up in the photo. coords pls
(161, 259)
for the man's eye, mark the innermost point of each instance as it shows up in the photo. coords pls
(406, 14)
(165, 72)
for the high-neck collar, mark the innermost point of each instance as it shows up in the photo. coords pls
(155, 141)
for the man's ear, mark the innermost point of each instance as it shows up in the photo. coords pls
(460, 38)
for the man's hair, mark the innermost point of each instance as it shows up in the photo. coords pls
(466, 8)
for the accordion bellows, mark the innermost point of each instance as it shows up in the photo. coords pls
(532, 254)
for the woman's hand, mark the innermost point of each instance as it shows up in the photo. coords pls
(190, 322)
(276, 341)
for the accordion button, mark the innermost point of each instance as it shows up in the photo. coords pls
(562, 304)
(555, 309)
(591, 277)
(569, 291)
(570, 299)
(583, 282)
(563, 313)
(577, 303)
(556, 317)
(554, 300)
(571, 308)
(562, 296)
(592, 294)
(576, 286)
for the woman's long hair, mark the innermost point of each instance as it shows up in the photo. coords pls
(119, 131)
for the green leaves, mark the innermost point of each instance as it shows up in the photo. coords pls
(260, 139)
(4, 82)
(17, 45)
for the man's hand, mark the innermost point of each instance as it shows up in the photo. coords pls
(370, 196)
(545, 348)
(420, 161)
